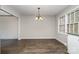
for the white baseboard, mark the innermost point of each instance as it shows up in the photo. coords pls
(7, 38)
(62, 42)
(37, 38)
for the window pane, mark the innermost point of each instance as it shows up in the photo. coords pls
(71, 28)
(68, 18)
(72, 17)
(77, 16)
(76, 28)
(67, 28)
(62, 24)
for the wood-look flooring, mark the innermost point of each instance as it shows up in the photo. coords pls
(35, 46)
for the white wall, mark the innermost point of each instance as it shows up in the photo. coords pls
(73, 44)
(31, 29)
(13, 12)
(8, 27)
(61, 36)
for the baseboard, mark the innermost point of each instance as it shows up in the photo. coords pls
(39, 38)
(62, 42)
(9, 39)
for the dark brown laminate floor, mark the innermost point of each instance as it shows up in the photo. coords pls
(40, 46)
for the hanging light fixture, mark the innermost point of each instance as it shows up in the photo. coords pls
(39, 17)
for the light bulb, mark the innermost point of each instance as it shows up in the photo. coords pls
(36, 18)
(41, 18)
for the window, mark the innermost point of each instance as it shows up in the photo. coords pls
(62, 24)
(73, 23)
(69, 23)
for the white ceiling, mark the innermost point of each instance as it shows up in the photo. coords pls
(44, 9)
(3, 13)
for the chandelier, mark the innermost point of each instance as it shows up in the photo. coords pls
(39, 17)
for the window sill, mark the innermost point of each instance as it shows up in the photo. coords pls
(62, 33)
(74, 34)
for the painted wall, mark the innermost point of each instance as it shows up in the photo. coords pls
(31, 29)
(13, 12)
(8, 27)
(61, 36)
(73, 44)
